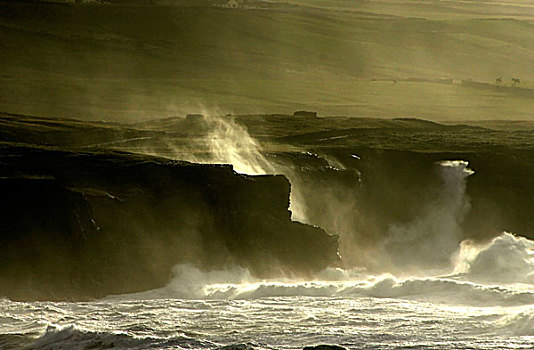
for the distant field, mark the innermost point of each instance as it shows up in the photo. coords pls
(432, 9)
(145, 99)
(134, 63)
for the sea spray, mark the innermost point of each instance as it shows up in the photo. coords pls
(426, 242)
(429, 241)
(224, 141)
(505, 259)
(230, 143)
(191, 283)
(484, 282)
(415, 248)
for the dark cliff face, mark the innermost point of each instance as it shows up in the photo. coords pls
(109, 222)
(375, 191)
(84, 225)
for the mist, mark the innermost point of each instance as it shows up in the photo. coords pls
(431, 238)
(426, 244)
(431, 61)
(249, 174)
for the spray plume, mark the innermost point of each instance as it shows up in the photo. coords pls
(229, 143)
(428, 241)
(431, 239)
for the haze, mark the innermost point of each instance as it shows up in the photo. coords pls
(436, 60)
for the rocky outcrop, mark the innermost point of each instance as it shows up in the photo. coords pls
(324, 347)
(85, 225)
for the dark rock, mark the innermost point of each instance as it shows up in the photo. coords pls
(194, 117)
(324, 347)
(85, 225)
(247, 346)
(306, 114)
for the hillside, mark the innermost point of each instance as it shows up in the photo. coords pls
(139, 62)
(370, 172)
(431, 9)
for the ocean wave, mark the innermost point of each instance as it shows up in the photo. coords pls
(520, 324)
(191, 283)
(73, 337)
(505, 259)
(497, 273)
(14, 341)
(70, 337)
(448, 290)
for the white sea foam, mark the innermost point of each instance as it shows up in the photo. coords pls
(230, 308)
(191, 283)
(505, 259)
(497, 273)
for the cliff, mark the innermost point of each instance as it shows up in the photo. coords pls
(85, 225)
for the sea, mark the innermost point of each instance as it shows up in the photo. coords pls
(486, 302)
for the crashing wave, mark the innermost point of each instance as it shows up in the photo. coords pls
(237, 283)
(69, 337)
(506, 259)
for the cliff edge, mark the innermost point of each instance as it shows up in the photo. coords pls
(85, 225)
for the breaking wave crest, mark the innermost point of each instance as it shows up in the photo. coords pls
(520, 324)
(57, 337)
(483, 281)
(506, 259)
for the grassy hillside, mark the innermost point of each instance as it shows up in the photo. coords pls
(431, 9)
(139, 62)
